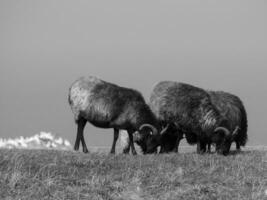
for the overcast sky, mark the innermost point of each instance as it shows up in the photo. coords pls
(46, 45)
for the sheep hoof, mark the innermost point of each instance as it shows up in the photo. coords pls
(126, 151)
(85, 151)
(175, 151)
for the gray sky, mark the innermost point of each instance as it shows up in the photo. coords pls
(46, 45)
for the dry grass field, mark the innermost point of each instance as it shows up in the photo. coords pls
(51, 174)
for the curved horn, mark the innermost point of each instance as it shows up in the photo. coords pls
(165, 129)
(225, 130)
(235, 132)
(153, 129)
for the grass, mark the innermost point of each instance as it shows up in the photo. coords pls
(50, 174)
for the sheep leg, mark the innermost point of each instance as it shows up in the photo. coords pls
(85, 150)
(115, 138)
(201, 147)
(209, 149)
(81, 124)
(198, 147)
(162, 149)
(130, 133)
(175, 149)
(237, 146)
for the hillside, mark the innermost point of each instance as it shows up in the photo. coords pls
(43, 174)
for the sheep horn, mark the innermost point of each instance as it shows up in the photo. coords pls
(235, 132)
(225, 130)
(165, 129)
(153, 129)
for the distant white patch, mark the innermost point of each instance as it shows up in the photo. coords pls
(67, 143)
(124, 138)
(43, 140)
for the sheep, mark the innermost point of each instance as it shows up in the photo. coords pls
(106, 105)
(232, 108)
(190, 111)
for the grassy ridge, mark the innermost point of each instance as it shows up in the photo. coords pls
(48, 174)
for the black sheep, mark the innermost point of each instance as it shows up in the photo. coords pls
(190, 111)
(232, 109)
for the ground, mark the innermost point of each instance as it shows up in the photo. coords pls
(51, 174)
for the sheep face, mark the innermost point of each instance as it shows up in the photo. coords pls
(224, 146)
(223, 139)
(147, 141)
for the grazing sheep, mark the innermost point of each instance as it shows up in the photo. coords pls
(232, 109)
(106, 105)
(190, 111)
